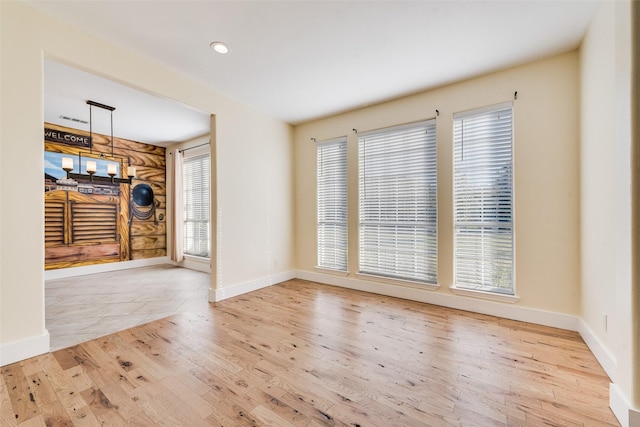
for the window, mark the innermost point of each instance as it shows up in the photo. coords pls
(483, 199)
(196, 179)
(397, 202)
(332, 204)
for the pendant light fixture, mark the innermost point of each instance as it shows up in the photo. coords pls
(91, 166)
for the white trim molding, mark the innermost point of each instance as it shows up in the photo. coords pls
(331, 271)
(219, 294)
(493, 296)
(195, 263)
(24, 349)
(626, 415)
(63, 273)
(599, 350)
(482, 306)
(399, 282)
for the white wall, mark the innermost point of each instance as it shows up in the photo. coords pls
(546, 135)
(605, 59)
(599, 198)
(255, 214)
(254, 168)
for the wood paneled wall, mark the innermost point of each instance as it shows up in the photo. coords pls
(141, 239)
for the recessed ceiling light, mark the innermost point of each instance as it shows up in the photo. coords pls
(219, 47)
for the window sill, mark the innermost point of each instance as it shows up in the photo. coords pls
(195, 258)
(405, 283)
(484, 294)
(331, 271)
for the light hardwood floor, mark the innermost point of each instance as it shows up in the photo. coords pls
(305, 354)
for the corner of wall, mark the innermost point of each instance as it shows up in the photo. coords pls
(599, 350)
(219, 294)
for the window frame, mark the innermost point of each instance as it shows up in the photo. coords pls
(339, 214)
(393, 269)
(478, 289)
(188, 157)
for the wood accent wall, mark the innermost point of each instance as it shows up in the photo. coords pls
(142, 239)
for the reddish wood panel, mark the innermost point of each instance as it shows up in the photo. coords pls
(148, 228)
(148, 253)
(149, 237)
(148, 242)
(83, 253)
(102, 143)
(161, 202)
(154, 174)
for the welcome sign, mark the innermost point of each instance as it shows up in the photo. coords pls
(66, 138)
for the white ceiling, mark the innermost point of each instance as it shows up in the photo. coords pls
(300, 60)
(137, 116)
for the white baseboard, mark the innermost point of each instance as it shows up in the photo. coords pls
(198, 264)
(220, 294)
(599, 350)
(619, 404)
(24, 349)
(63, 273)
(507, 311)
(634, 418)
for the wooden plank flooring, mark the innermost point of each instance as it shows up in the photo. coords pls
(304, 354)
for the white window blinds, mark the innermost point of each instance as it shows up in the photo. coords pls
(196, 185)
(332, 204)
(483, 199)
(397, 202)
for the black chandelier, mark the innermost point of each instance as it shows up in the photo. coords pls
(91, 166)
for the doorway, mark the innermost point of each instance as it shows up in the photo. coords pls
(107, 251)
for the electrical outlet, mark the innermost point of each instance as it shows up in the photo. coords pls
(604, 321)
